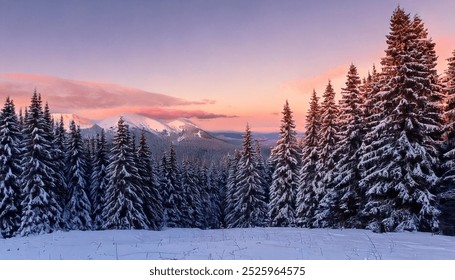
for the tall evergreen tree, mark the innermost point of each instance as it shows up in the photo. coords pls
(217, 177)
(308, 192)
(231, 187)
(59, 155)
(249, 197)
(153, 205)
(400, 178)
(100, 180)
(78, 208)
(325, 167)
(192, 212)
(212, 197)
(286, 159)
(204, 188)
(124, 198)
(57, 159)
(10, 170)
(172, 191)
(41, 213)
(346, 199)
(264, 171)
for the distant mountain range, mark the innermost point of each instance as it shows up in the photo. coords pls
(188, 139)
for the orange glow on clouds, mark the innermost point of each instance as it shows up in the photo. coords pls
(99, 100)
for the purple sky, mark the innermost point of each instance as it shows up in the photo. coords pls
(224, 58)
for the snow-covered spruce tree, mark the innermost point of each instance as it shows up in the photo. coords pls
(324, 173)
(89, 145)
(447, 196)
(99, 180)
(286, 160)
(192, 214)
(153, 204)
(214, 219)
(250, 207)
(41, 213)
(172, 191)
(221, 180)
(204, 185)
(346, 200)
(78, 208)
(59, 153)
(57, 161)
(10, 171)
(308, 194)
(401, 176)
(264, 171)
(231, 186)
(124, 197)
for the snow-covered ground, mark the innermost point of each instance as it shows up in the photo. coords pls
(230, 244)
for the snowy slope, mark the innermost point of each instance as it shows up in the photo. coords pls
(80, 121)
(180, 125)
(135, 120)
(230, 244)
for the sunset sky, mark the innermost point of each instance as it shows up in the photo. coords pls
(220, 63)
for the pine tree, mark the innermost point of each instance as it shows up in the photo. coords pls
(59, 155)
(212, 197)
(329, 139)
(249, 197)
(57, 161)
(264, 171)
(192, 212)
(172, 191)
(346, 200)
(78, 208)
(41, 213)
(447, 196)
(124, 197)
(400, 168)
(204, 189)
(153, 205)
(286, 160)
(10, 171)
(308, 192)
(99, 179)
(217, 181)
(231, 187)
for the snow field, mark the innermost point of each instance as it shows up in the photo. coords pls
(229, 244)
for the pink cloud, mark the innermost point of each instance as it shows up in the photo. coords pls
(165, 113)
(71, 94)
(318, 82)
(98, 100)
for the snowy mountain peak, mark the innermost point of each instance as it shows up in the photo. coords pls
(134, 120)
(181, 124)
(80, 121)
(182, 128)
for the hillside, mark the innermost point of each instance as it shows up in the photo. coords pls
(189, 140)
(230, 244)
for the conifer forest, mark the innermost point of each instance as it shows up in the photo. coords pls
(379, 156)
